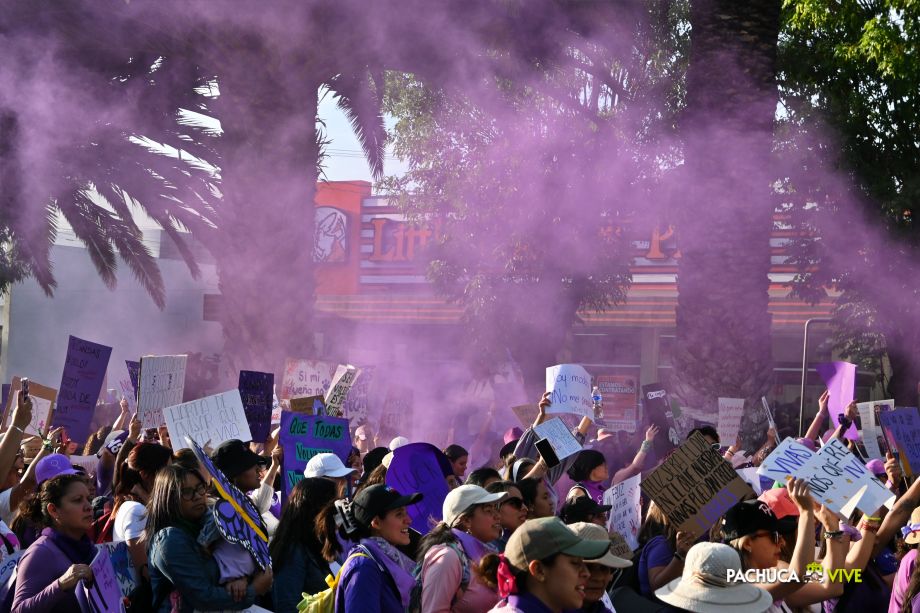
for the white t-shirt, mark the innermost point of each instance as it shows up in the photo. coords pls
(130, 521)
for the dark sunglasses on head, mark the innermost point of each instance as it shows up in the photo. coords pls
(774, 536)
(515, 502)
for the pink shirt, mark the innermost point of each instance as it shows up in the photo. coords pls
(901, 581)
(441, 576)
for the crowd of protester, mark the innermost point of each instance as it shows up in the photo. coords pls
(515, 534)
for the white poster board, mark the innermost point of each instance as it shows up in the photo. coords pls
(769, 412)
(208, 421)
(749, 475)
(161, 384)
(731, 410)
(304, 378)
(562, 441)
(344, 377)
(626, 513)
(870, 431)
(569, 386)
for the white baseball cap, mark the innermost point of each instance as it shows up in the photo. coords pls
(460, 499)
(398, 442)
(326, 465)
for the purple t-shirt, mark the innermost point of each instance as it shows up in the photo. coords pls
(657, 552)
(901, 581)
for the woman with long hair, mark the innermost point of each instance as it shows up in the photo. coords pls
(297, 558)
(51, 567)
(663, 551)
(459, 458)
(537, 498)
(376, 577)
(512, 510)
(542, 569)
(183, 575)
(449, 553)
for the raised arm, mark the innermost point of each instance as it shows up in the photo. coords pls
(639, 460)
(814, 430)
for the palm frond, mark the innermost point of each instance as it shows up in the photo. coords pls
(360, 97)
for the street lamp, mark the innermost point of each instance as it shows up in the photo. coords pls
(805, 371)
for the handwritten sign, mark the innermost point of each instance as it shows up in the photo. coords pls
(304, 436)
(276, 408)
(695, 486)
(306, 378)
(869, 430)
(731, 410)
(81, 382)
(310, 405)
(356, 403)
(903, 425)
(43, 398)
(625, 516)
(344, 377)
(216, 418)
(526, 413)
(563, 442)
(840, 378)
(417, 468)
(8, 573)
(397, 410)
(237, 518)
(620, 394)
(256, 393)
(161, 384)
(125, 572)
(569, 386)
(103, 593)
(659, 412)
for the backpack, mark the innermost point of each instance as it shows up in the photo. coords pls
(415, 597)
(324, 602)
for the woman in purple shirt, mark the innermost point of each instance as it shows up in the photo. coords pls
(59, 559)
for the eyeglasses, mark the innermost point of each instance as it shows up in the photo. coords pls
(190, 493)
(515, 502)
(774, 536)
(716, 446)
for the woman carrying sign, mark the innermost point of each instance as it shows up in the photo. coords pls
(184, 576)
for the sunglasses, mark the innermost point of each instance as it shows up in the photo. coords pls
(774, 536)
(716, 446)
(515, 502)
(190, 493)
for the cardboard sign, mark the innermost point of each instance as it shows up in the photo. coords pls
(311, 405)
(840, 378)
(658, 409)
(557, 433)
(161, 384)
(134, 374)
(81, 382)
(213, 419)
(869, 430)
(238, 520)
(695, 486)
(625, 516)
(397, 410)
(766, 409)
(356, 403)
(256, 393)
(125, 573)
(569, 386)
(304, 436)
(342, 381)
(43, 398)
(417, 468)
(526, 413)
(731, 410)
(903, 428)
(620, 393)
(102, 594)
(306, 378)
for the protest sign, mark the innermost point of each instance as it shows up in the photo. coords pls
(903, 428)
(43, 398)
(81, 382)
(276, 408)
(89, 463)
(238, 520)
(397, 410)
(695, 486)
(769, 412)
(134, 374)
(620, 394)
(306, 378)
(344, 377)
(8, 573)
(658, 410)
(4, 396)
(256, 393)
(356, 403)
(785, 461)
(310, 405)
(626, 512)
(125, 572)
(103, 593)
(212, 419)
(840, 378)
(563, 442)
(417, 468)
(749, 475)
(161, 384)
(869, 430)
(304, 436)
(569, 386)
(731, 410)
(526, 413)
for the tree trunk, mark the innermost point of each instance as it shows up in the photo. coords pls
(723, 345)
(265, 263)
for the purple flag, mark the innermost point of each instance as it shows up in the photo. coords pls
(417, 467)
(304, 436)
(256, 392)
(81, 382)
(840, 379)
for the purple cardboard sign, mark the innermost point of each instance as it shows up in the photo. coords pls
(134, 372)
(81, 382)
(840, 379)
(256, 392)
(417, 468)
(304, 436)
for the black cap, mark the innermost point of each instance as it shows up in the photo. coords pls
(578, 509)
(373, 459)
(508, 449)
(747, 518)
(376, 500)
(234, 457)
